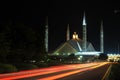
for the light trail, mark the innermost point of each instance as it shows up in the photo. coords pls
(34, 73)
(70, 73)
(36, 70)
(43, 71)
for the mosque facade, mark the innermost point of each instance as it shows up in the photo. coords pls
(79, 46)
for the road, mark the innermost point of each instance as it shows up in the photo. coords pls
(88, 71)
(94, 74)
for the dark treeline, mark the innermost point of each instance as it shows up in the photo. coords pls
(20, 42)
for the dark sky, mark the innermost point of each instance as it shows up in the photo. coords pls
(63, 12)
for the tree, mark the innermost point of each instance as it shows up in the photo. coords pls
(5, 43)
(23, 42)
(71, 56)
(103, 56)
(19, 42)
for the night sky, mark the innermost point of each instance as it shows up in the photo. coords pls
(60, 13)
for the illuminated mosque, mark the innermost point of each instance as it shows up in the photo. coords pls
(77, 46)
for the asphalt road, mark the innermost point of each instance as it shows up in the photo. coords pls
(88, 71)
(94, 74)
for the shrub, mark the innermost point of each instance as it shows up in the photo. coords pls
(42, 64)
(25, 66)
(103, 56)
(6, 68)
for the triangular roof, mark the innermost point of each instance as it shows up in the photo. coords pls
(72, 46)
(65, 48)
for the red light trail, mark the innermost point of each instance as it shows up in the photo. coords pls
(49, 70)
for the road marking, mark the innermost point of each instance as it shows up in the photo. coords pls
(107, 73)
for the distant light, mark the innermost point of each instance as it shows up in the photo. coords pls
(75, 36)
(88, 53)
(79, 58)
(116, 11)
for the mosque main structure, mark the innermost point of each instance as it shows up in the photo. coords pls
(79, 46)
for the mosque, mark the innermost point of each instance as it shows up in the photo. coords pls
(77, 46)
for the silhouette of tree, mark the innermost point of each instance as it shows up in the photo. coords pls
(20, 41)
(103, 56)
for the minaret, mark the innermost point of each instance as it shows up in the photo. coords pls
(101, 39)
(68, 33)
(84, 34)
(46, 35)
